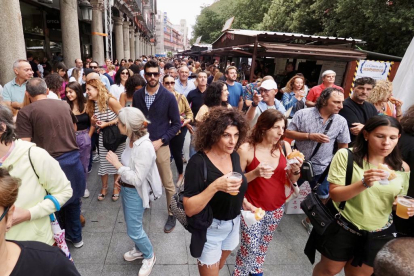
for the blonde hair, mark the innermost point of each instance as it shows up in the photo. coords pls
(217, 76)
(381, 92)
(103, 97)
(9, 189)
(291, 82)
(134, 121)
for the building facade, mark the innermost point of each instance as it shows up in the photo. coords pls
(70, 29)
(169, 37)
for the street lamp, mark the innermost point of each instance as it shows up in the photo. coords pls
(86, 10)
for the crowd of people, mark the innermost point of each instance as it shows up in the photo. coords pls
(133, 118)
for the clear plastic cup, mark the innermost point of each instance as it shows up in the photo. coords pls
(268, 168)
(237, 176)
(403, 202)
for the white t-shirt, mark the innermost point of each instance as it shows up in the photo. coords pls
(116, 90)
(126, 155)
(52, 95)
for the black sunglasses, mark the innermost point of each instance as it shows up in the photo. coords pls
(4, 213)
(124, 73)
(150, 74)
(93, 67)
(169, 83)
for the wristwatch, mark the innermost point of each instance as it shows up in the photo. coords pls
(254, 105)
(163, 140)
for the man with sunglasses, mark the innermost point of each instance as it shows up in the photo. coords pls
(160, 107)
(263, 101)
(94, 65)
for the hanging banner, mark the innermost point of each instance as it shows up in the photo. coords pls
(378, 70)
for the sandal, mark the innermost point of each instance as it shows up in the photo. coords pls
(115, 195)
(102, 196)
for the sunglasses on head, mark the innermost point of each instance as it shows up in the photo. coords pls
(4, 213)
(150, 74)
(169, 82)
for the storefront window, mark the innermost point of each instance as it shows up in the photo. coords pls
(32, 18)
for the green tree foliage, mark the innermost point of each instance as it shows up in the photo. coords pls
(386, 26)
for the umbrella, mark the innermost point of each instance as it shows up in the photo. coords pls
(58, 233)
(404, 79)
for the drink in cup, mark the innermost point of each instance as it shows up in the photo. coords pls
(403, 202)
(269, 170)
(237, 176)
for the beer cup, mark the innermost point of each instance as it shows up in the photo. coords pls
(403, 203)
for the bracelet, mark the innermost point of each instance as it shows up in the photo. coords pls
(296, 173)
(309, 136)
(365, 184)
(254, 105)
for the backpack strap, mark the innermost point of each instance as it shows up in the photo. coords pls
(348, 177)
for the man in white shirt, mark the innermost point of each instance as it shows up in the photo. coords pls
(183, 85)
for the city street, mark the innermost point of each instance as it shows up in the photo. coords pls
(106, 241)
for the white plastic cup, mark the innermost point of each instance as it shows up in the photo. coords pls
(236, 176)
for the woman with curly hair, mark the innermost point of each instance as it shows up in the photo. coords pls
(386, 104)
(55, 83)
(294, 94)
(263, 158)
(216, 94)
(103, 109)
(212, 197)
(133, 84)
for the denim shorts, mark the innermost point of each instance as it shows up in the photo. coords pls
(221, 235)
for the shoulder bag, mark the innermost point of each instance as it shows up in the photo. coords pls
(177, 205)
(317, 212)
(111, 135)
(306, 171)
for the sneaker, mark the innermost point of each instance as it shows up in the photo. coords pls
(75, 244)
(170, 224)
(134, 254)
(184, 160)
(147, 265)
(86, 194)
(95, 158)
(308, 226)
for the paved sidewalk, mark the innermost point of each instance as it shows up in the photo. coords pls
(106, 241)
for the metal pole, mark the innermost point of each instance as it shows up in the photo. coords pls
(253, 60)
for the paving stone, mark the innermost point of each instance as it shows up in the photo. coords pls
(100, 220)
(120, 243)
(89, 270)
(94, 250)
(169, 248)
(120, 270)
(223, 272)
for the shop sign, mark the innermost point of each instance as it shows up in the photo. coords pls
(52, 21)
(378, 70)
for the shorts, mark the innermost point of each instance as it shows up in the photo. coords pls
(341, 245)
(221, 235)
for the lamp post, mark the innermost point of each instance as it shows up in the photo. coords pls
(86, 10)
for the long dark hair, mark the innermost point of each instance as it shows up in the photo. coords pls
(118, 74)
(360, 150)
(265, 122)
(131, 83)
(80, 98)
(213, 94)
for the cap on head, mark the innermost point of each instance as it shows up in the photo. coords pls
(268, 85)
(328, 72)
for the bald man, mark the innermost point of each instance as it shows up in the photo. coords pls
(183, 85)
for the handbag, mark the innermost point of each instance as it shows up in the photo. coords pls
(111, 135)
(177, 205)
(58, 233)
(306, 171)
(319, 214)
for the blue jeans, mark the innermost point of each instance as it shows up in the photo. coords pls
(69, 220)
(133, 214)
(323, 189)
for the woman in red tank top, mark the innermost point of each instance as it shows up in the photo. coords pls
(263, 159)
